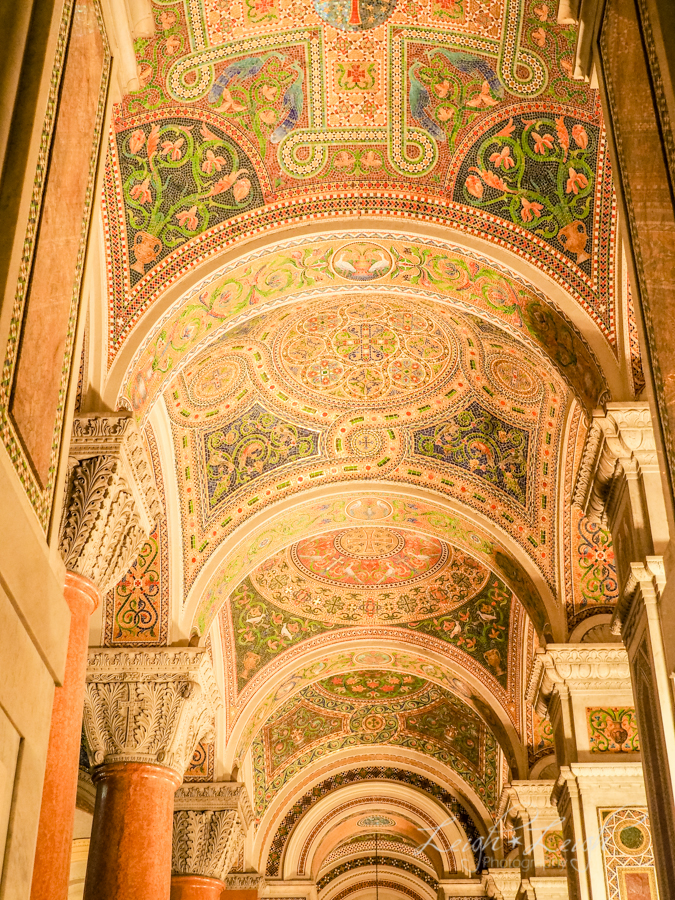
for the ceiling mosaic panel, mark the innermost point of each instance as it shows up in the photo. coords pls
(300, 270)
(264, 111)
(388, 841)
(344, 388)
(391, 861)
(459, 602)
(318, 721)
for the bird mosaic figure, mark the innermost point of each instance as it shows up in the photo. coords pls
(292, 102)
(418, 97)
(470, 65)
(240, 71)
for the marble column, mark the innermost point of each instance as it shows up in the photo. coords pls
(145, 713)
(209, 825)
(586, 690)
(110, 509)
(620, 483)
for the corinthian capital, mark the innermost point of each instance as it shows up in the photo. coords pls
(151, 706)
(619, 439)
(112, 503)
(209, 826)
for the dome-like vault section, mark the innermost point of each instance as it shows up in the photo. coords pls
(370, 708)
(361, 385)
(401, 586)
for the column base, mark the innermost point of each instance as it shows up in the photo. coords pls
(195, 887)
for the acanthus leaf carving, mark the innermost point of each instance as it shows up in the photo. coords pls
(151, 706)
(112, 503)
(206, 842)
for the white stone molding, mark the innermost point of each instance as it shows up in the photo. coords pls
(151, 706)
(245, 881)
(502, 884)
(581, 667)
(205, 842)
(619, 437)
(112, 503)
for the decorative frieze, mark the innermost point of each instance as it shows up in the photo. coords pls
(225, 795)
(112, 503)
(245, 881)
(151, 706)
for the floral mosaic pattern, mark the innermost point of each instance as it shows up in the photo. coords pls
(613, 730)
(251, 428)
(277, 608)
(179, 177)
(329, 111)
(594, 578)
(316, 723)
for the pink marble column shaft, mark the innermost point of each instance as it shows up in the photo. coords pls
(51, 868)
(130, 850)
(195, 887)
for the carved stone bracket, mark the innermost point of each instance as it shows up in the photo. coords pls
(151, 706)
(576, 667)
(622, 437)
(112, 503)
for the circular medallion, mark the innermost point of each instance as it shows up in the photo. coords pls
(376, 821)
(373, 658)
(362, 261)
(369, 557)
(374, 352)
(632, 837)
(366, 442)
(214, 381)
(369, 543)
(515, 378)
(368, 509)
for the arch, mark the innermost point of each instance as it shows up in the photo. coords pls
(192, 282)
(319, 508)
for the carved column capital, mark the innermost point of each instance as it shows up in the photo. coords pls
(569, 667)
(149, 706)
(209, 826)
(501, 884)
(112, 503)
(620, 437)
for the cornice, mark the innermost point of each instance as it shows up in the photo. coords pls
(577, 667)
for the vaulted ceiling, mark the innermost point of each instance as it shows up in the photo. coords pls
(365, 290)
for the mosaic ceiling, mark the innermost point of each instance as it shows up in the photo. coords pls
(352, 387)
(368, 708)
(369, 358)
(256, 113)
(327, 584)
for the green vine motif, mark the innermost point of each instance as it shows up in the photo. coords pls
(449, 10)
(358, 162)
(479, 442)
(613, 730)
(177, 184)
(250, 446)
(154, 58)
(460, 97)
(558, 42)
(539, 174)
(255, 103)
(136, 597)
